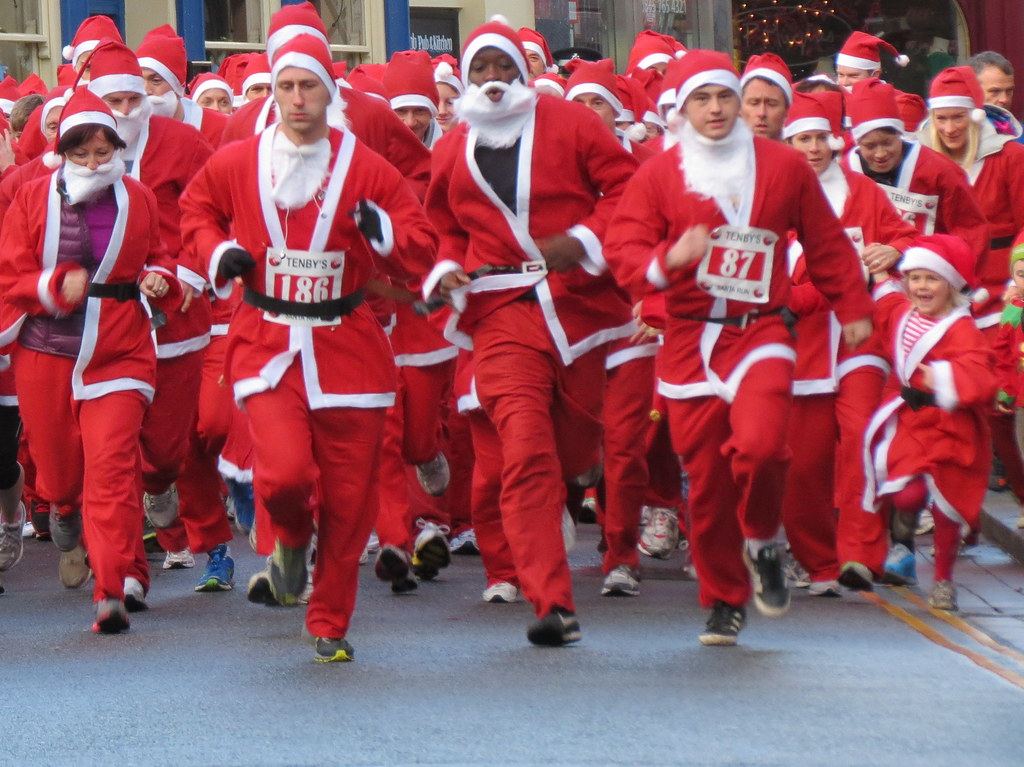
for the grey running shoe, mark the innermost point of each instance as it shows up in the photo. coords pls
(287, 571)
(161, 509)
(623, 581)
(73, 568)
(333, 651)
(943, 596)
(11, 540)
(65, 529)
(434, 475)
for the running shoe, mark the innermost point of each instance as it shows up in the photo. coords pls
(258, 591)
(501, 593)
(179, 560)
(333, 651)
(430, 552)
(161, 509)
(771, 596)
(689, 569)
(943, 596)
(12, 544)
(824, 589)
(434, 475)
(111, 617)
(856, 576)
(219, 574)
(723, 626)
(568, 530)
(41, 520)
(287, 570)
(393, 565)
(73, 567)
(622, 581)
(65, 529)
(660, 535)
(588, 510)
(797, 576)
(241, 494)
(134, 595)
(559, 627)
(925, 523)
(900, 567)
(465, 543)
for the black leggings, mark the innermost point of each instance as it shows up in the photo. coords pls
(10, 430)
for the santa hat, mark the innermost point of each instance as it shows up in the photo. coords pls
(635, 106)
(817, 112)
(409, 81)
(112, 68)
(339, 69)
(652, 48)
(366, 78)
(872, 105)
(534, 42)
(208, 81)
(701, 68)
(958, 87)
(913, 110)
(164, 52)
(32, 84)
(33, 142)
(863, 51)
(496, 33)
(85, 108)
(57, 97)
(549, 81)
(946, 255)
(597, 77)
(292, 20)
(8, 94)
(446, 70)
(257, 71)
(88, 36)
(652, 80)
(305, 52)
(232, 69)
(66, 75)
(769, 67)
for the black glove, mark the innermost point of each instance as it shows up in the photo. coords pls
(234, 262)
(367, 218)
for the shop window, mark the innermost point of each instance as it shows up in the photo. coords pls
(232, 26)
(20, 37)
(345, 21)
(807, 34)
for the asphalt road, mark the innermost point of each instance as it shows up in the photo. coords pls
(441, 678)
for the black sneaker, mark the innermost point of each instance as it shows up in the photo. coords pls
(259, 592)
(856, 577)
(771, 595)
(333, 651)
(393, 565)
(559, 627)
(723, 626)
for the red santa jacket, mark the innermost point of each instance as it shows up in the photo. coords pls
(229, 204)
(571, 173)
(948, 443)
(117, 351)
(373, 122)
(702, 359)
(208, 122)
(868, 217)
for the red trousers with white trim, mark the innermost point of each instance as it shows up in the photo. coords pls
(736, 457)
(86, 453)
(201, 508)
(862, 536)
(296, 448)
(495, 552)
(808, 504)
(547, 416)
(628, 393)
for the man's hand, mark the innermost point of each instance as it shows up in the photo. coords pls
(72, 287)
(929, 376)
(857, 332)
(187, 294)
(154, 285)
(561, 253)
(6, 151)
(879, 258)
(689, 248)
(450, 282)
(234, 262)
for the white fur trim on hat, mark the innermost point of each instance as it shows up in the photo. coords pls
(499, 19)
(551, 85)
(493, 40)
(655, 119)
(211, 85)
(286, 33)
(626, 116)
(775, 78)
(860, 131)
(73, 54)
(414, 100)
(836, 143)
(846, 60)
(86, 118)
(805, 124)
(532, 47)
(951, 102)
(57, 102)
(651, 59)
(52, 160)
(598, 90)
(115, 83)
(923, 258)
(6, 105)
(259, 78)
(722, 77)
(302, 61)
(161, 69)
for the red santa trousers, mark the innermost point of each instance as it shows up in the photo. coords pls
(547, 416)
(1004, 437)
(627, 413)
(201, 508)
(808, 505)
(296, 447)
(736, 457)
(495, 552)
(87, 452)
(459, 449)
(169, 420)
(425, 394)
(664, 487)
(861, 536)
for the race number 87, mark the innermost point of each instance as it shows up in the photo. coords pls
(735, 263)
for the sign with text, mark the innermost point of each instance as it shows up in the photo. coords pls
(434, 30)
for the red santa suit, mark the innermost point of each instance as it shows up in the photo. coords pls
(83, 413)
(728, 425)
(315, 392)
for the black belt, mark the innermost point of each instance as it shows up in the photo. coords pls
(119, 291)
(741, 321)
(321, 310)
(917, 399)
(998, 243)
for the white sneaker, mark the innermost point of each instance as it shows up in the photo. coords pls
(796, 575)
(12, 545)
(501, 593)
(824, 589)
(179, 560)
(434, 475)
(73, 568)
(925, 522)
(29, 530)
(623, 581)
(134, 595)
(161, 509)
(660, 536)
(568, 530)
(465, 543)
(373, 544)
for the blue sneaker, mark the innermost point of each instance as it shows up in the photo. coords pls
(900, 567)
(245, 507)
(219, 574)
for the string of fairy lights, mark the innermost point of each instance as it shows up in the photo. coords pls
(801, 31)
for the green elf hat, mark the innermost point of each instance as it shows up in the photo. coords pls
(1017, 250)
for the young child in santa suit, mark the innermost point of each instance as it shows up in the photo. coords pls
(1009, 349)
(929, 440)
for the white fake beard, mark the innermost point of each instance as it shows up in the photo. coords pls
(83, 184)
(498, 125)
(717, 167)
(298, 171)
(164, 106)
(129, 126)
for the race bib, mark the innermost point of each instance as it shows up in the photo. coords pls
(304, 277)
(738, 264)
(918, 210)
